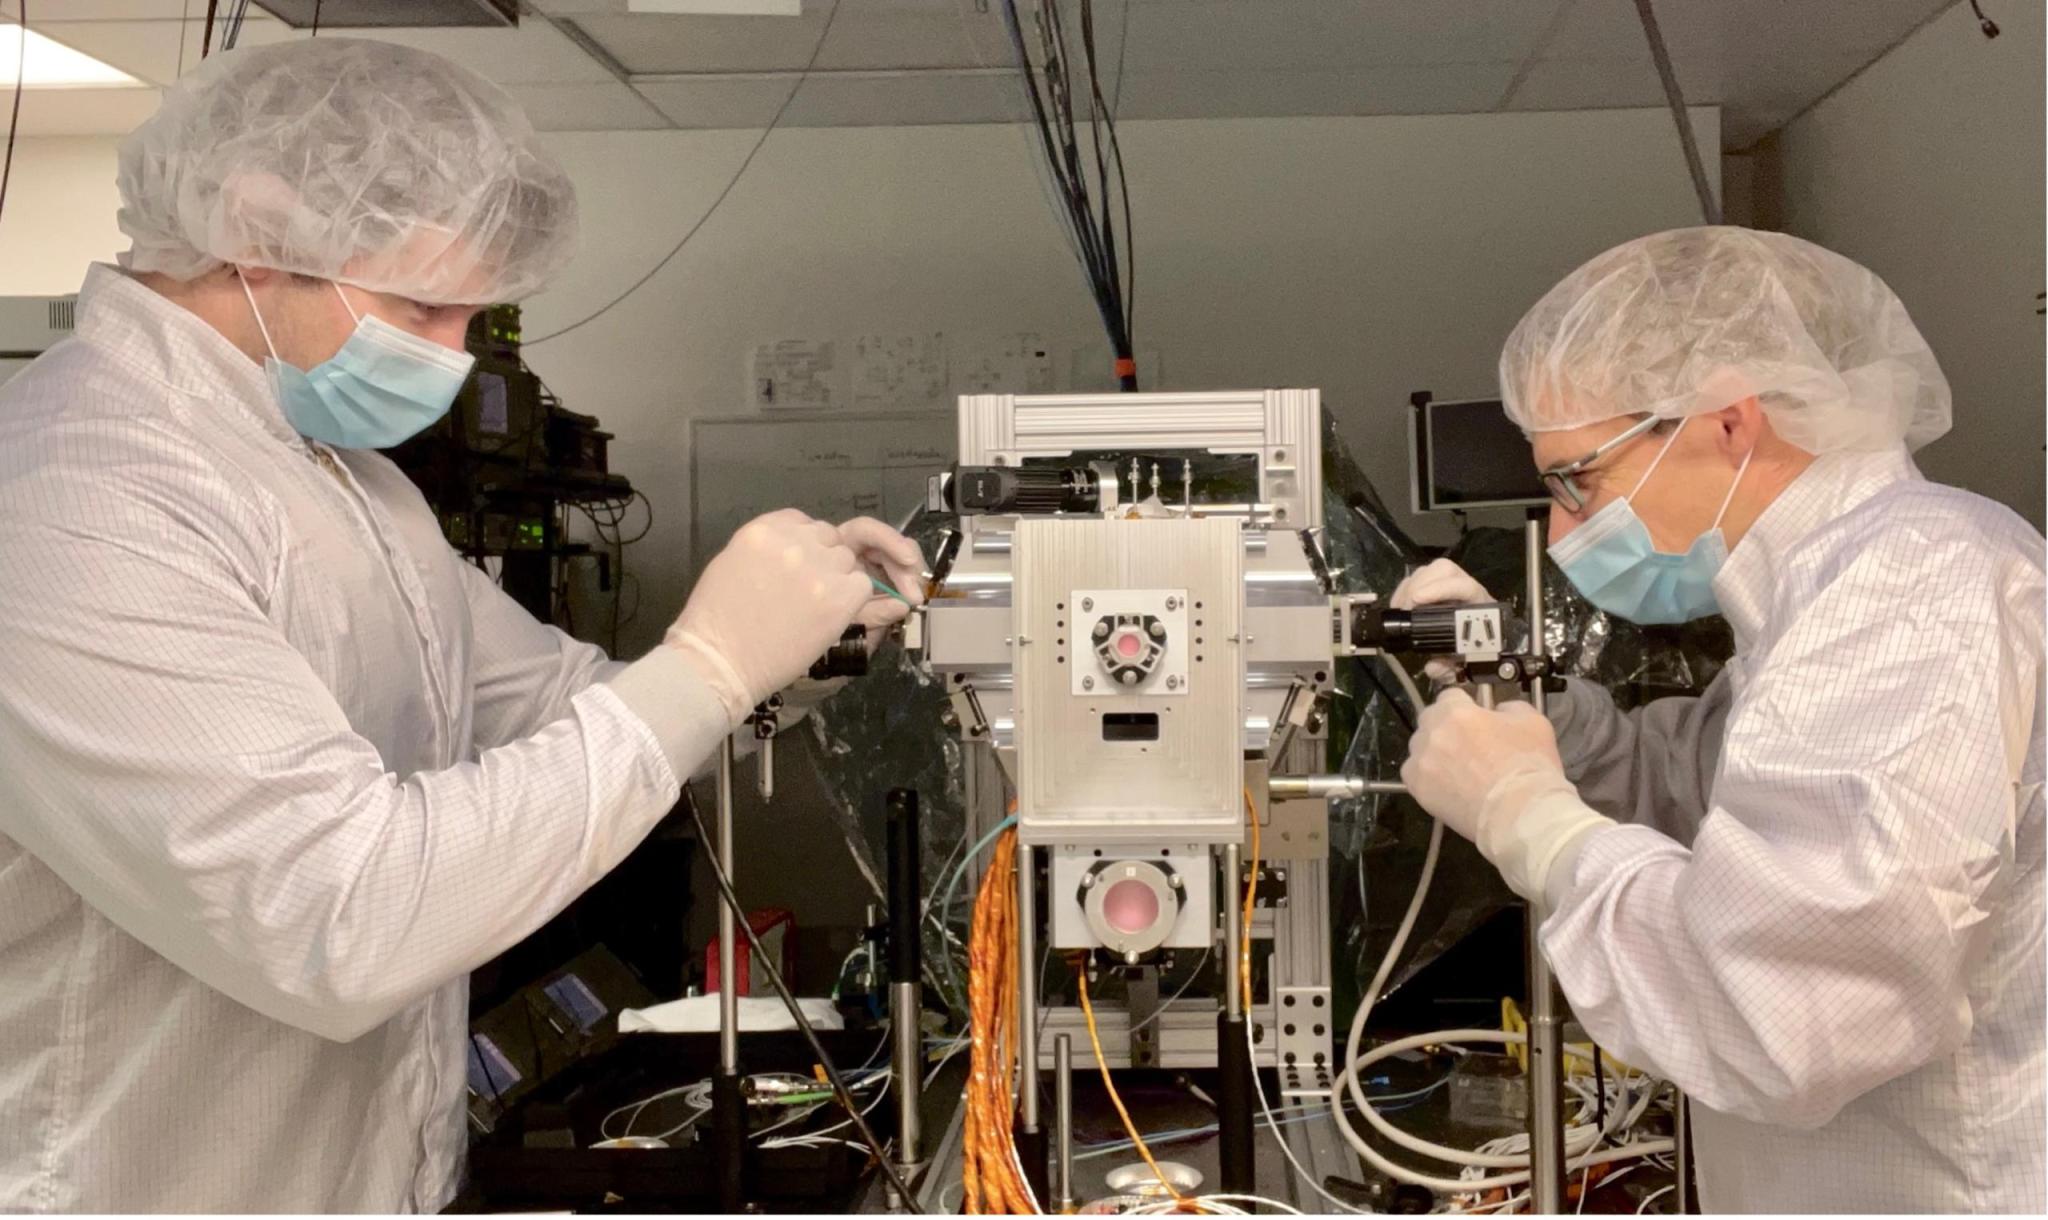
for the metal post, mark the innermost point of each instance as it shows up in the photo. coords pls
(906, 1000)
(1030, 1137)
(1682, 1140)
(728, 926)
(1063, 1122)
(764, 759)
(728, 1097)
(1233, 932)
(1545, 1032)
(1235, 1130)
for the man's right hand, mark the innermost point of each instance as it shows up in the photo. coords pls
(780, 593)
(1436, 583)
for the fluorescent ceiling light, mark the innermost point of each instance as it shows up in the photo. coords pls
(48, 64)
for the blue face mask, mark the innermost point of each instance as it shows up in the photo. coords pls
(384, 385)
(1613, 564)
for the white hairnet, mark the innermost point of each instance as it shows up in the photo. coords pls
(352, 160)
(1691, 320)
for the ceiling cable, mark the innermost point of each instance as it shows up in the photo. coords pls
(1710, 208)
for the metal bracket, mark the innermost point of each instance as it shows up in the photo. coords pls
(1305, 1019)
(1141, 1001)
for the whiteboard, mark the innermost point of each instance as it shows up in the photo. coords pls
(831, 465)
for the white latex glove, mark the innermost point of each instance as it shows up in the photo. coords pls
(1435, 583)
(1495, 777)
(780, 593)
(894, 560)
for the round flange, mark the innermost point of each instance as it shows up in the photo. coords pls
(1130, 905)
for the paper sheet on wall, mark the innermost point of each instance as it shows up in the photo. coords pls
(831, 467)
(1012, 364)
(792, 374)
(899, 370)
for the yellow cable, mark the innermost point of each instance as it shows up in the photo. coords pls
(1251, 894)
(1130, 1128)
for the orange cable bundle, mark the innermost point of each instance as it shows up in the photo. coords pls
(992, 1178)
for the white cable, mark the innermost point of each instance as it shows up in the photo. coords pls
(1273, 1124)
(1653, 1196)
(1407, 685)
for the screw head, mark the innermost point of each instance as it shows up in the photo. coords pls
(1129, 678)
(1506, 671)
(1087, 603)
(1173, 681)
(1087, 881)
(1087, 683)
(1173, 879)
(1157, 631)
(1102, 630)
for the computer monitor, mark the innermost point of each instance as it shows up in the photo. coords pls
(1468, 454)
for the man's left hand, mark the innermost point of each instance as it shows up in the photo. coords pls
(1494, 776)
(1461, 752)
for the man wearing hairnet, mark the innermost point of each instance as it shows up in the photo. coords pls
(1811, 897)
(277, 768)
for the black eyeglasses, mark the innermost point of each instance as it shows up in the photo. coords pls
(1562, 482)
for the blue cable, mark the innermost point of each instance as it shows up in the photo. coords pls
(953, 879)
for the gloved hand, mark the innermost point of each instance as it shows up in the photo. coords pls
(893, 559)
(780, 593)
(1435, 583)
(1495, 777)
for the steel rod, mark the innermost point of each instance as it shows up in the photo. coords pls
(728, 927)
(1546, 1033)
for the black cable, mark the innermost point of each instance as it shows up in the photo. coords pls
(316, 18)
(206, 43)
(1984, 23)
(766, 964)
(20, 87)
(1372, 675)
(1050, 88)
(709, 212)
(1710, 210)
(1599, 1091)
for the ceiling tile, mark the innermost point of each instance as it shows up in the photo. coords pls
(586, 107)
(82, 112)
(105, 10)
(1386, 90)
(147, 50)
(534, 53)
(924, 99)
(870, 34)
(718, 102)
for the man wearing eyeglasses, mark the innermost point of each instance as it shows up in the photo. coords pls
(1811, 897)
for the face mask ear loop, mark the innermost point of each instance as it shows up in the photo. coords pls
(353, 315)
(1730, 497)
(261, 328)
(1656, 460)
